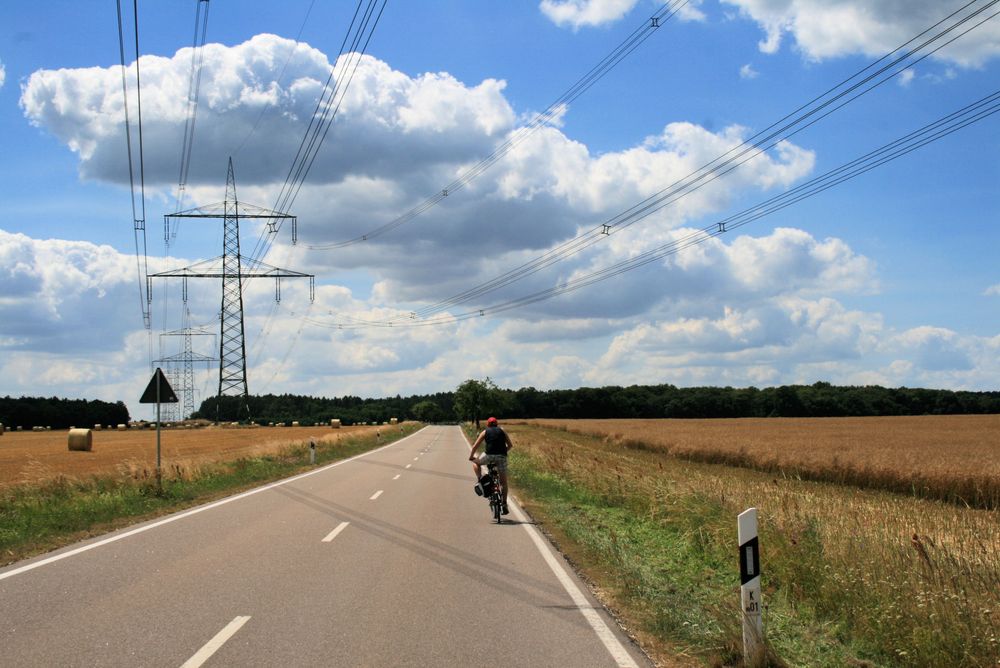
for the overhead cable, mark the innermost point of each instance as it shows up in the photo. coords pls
(542, 119)
(191, 115)
(277, 80)
(932, 132)
(805, 116)
(138, 214)
(359, 36)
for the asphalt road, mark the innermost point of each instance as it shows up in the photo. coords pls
(387, 559)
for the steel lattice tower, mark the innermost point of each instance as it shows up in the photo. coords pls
(180, 369)
(232, 345)
(234, 269)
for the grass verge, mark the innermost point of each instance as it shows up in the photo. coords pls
(42, 518)
(850, 578)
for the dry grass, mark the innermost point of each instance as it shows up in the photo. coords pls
(29, 458)
(904, 575)
(951, 457)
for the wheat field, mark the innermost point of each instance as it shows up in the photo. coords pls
(917, 577)
(950, 457)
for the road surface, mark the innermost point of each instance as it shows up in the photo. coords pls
(386, 559)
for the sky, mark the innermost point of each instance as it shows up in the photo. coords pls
(889, 278)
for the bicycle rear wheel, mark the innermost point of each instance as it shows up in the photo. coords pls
(495, 506)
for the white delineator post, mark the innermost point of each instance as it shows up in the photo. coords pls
(753, 629)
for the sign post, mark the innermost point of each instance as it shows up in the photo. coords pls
(158, 391)
(753, 629)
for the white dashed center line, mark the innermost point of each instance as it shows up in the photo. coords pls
(409, 465)
(333, 534)
(376, 495)
(213, 645)
(397, 476)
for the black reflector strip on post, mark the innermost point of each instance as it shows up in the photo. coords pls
(749, 561)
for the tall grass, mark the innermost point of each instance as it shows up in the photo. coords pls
(849, 576)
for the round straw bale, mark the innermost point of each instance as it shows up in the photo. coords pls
(295, 423)
(1, 428)
(393, 421)
(81, 440)
(122, 427)
(97, 427)
(335, 424)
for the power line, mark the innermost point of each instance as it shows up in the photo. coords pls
(277, 80)
(359, 32)
(190, 118)
(626, 47)
(582, 85)
(138, 222)
(932, 132)
(324, 115)
(805, 116)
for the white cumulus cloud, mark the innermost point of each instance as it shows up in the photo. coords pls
(823, 29)
(581, 13)
(578, 14)
(433, 116)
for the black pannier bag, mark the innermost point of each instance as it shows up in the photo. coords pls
(485, 485)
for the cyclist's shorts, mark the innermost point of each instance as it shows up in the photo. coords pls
(500, 461)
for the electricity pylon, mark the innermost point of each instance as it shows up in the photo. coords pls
(179, 370)
(233, 270)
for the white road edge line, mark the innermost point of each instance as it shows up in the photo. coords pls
(194, 511)
(376, 495)
(397, 476)
(213, 645)
(409, 465)
(611, 643)
(333, 534)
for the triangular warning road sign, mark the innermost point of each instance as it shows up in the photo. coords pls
(167, 395)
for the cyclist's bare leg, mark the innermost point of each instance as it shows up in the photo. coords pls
(503, 485)
(477, 468)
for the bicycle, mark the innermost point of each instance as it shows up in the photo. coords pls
(496, 496)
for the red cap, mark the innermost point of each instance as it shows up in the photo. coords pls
(491, 420)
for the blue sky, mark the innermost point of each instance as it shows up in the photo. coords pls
(889, 278)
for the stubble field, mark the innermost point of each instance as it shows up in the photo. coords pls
(31, 458)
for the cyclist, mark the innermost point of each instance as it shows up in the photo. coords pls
(497, 446)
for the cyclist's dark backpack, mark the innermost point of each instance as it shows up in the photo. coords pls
(485, 485)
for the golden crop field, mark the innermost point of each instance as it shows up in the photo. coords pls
(953, 457)
(37, 457)
(919, 577)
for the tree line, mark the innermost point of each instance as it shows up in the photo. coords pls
(314, 410)
(667, 401)
(28, 412)
(481, 398)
